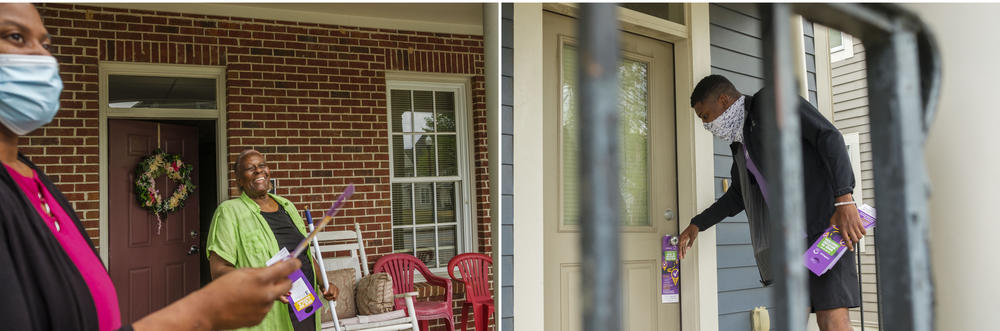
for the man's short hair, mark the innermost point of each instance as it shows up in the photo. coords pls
(711, 87)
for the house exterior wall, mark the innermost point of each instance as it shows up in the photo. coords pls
(506, 311)
(809, 43)
(311, 97)
(737, 54)
(290, 85)
(850, 115)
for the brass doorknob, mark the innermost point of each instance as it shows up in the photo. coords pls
(193, 250)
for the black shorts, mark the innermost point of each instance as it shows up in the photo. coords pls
(837, 288)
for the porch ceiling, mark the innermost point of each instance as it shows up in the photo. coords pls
(462, 18)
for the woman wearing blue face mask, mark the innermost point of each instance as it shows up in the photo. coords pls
(51, 274)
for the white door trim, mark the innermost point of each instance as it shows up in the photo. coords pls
(699, 302)
(105, 113)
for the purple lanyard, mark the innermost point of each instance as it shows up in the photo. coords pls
(756, 173)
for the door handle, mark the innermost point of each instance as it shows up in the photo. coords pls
(669, 214)
(193, 250)
(194, 234)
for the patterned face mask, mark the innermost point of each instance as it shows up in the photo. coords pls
(729, 125)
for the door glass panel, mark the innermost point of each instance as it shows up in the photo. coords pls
(127, 91)
(634, 139)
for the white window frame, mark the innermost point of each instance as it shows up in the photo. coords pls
(845, 50)
(465, 221)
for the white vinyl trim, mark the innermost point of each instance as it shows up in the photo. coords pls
(845, 50)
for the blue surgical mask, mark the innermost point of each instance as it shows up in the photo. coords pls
(29, 91)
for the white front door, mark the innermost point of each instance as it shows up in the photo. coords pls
(648, 182)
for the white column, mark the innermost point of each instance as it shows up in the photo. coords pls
(529, 209)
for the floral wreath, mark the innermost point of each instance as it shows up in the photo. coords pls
(156, 165)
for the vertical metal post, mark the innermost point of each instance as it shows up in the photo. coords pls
(901, 189)
(599, 168)
(782, 157)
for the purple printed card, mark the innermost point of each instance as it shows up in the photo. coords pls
(830, 247)
(303, 298)
(671, 271)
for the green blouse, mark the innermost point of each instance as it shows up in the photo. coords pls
(240, 234)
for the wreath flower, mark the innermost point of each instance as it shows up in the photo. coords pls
(153, 166)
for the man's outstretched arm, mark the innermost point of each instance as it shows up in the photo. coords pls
(730, 204)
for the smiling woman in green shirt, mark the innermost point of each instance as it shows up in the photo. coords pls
(249, 230)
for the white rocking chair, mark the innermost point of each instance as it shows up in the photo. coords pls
(351, 241)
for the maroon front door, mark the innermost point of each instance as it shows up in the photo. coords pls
(149, 269)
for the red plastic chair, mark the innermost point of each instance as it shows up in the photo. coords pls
(401, 268)
(475, 271)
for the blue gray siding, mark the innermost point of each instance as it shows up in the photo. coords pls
(810, 47)
(737, 54)
(507, 164)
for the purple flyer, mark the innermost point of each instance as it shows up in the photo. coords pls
(671, 271)
(830, 246)
(303, 299)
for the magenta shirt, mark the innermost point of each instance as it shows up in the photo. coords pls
(77, 247)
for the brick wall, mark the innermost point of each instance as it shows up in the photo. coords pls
(310, 96)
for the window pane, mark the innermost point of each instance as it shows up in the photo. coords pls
(402, 204)
(426, 160)
(446, 244)
(425, 247)
(634, 116)
(447, 155)
(402, 155)
(423, 111)
(126, 91)
(402, 118)
(570, 147)
(836, 38)
(445, 202)
(635, 138)
(402, 240)
(424, 195)
(444, 103)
